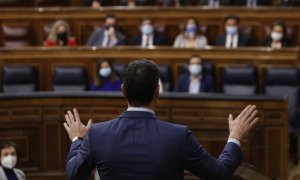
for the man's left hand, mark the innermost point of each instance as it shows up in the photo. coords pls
(74, 126)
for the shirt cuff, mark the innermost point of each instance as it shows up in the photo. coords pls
(75, 138)
(235, 141)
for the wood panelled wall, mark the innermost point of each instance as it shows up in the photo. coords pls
(34, 122)
(169, 20)
(46, 59)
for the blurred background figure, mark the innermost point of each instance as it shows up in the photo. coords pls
(133, 3)
(213, 3)
(190, 37)
(148, 36)
(109, 35)
(95, 4)
(60, 35)
(8, 163)
(106, 78)
(232, 38)
(278, 36)
(194, 81)
(253, 3)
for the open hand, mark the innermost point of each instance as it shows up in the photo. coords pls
(74, 126)
(241, 125)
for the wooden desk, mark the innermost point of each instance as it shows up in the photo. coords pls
(34, 122)
(83, 20)
(46, 59)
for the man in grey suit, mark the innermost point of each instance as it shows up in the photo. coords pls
(109, 35)
(138, 146)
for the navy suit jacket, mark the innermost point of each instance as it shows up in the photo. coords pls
(259, 2)
(97, 38)
(183, 83)
(242, 40)
(158, 40)
(138, 146)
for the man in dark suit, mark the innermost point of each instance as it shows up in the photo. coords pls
(96, 3)
(253, 3)
(109, 35)
(138, 146)
(232, 38)
(195, 81)
(148, 36)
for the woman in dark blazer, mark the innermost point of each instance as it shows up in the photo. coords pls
(278, 36)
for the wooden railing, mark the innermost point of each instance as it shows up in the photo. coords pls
(34, 122)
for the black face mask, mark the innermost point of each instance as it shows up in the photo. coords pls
(62, 39)
(108, 27)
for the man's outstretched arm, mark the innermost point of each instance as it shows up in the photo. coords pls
(201, 163)
(79, 163)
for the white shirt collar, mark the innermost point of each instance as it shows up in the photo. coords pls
(140, 109)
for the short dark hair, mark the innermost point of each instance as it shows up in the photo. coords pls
(146, 18)
(7, 144)
(234, 17)
(140, 81)
(110, 16)
(282, 24)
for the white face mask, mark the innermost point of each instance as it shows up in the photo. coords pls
(231, 30)
(105, 72)
(147, 29)
(9, 161)
(195, 69)
(276, 36)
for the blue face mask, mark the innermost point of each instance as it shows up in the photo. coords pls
(147, 29)
(232, 30)
(195, 69)
(105, 72)
(191, 28)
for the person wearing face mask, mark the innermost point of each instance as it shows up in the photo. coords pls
(148, 36)
(106, 78)
(232, 38)
(96, 4)
(8, 163)
(190, 38)
(195, 81)
(60, 35)
(277, 38)
(109, 35)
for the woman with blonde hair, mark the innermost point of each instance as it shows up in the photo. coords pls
(60, 35)
(190, 37)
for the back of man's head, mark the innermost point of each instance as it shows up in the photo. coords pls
(140, 81)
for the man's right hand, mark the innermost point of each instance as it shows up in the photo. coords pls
(241, 125)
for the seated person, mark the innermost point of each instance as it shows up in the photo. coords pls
(106, 78)
(107, 36)
(190, 37)
(253, 3)
(212, 3)
(95, 4)
(278, 38)
(8, 163)
(60, 35)
(148, 36)
(195, 81)
(232, 38)
(290, 3)
(133, 3)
